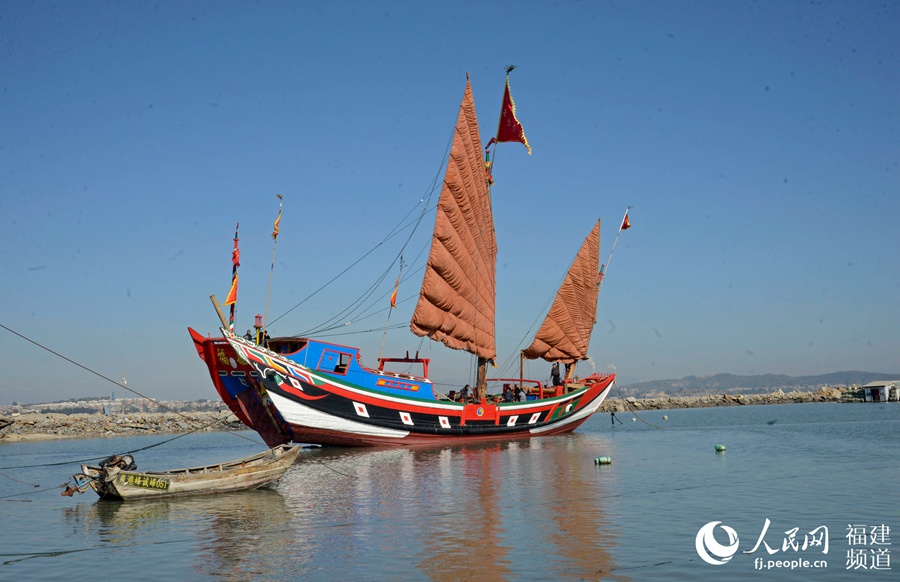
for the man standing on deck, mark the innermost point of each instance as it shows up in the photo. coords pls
(554, 374)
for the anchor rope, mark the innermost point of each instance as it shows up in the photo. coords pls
(632, 410)
(95, 373)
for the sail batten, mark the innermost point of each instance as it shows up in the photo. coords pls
(456, 305)
(566, 332)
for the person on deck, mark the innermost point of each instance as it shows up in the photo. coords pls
(464, 394)
(554, 374)
(507, 393)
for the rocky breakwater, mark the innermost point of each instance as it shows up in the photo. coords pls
(50, 426)
(709, 400)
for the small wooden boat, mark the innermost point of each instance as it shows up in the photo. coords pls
(117, 477)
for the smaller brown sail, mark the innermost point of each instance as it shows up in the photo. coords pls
(566, 331)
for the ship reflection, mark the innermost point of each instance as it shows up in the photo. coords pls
(470, 512)
(531, 509)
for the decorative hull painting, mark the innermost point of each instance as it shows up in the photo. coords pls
(285, 400)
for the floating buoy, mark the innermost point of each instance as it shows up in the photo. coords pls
(666, 417)
(603, 461)
(720, 448)
(633, 419)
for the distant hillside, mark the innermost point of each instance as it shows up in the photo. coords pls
(760, 384)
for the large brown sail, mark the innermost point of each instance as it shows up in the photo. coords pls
(566, 332)
(456, 303)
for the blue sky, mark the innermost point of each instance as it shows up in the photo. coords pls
(756, 141)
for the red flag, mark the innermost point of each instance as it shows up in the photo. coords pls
(510, 129)
(626, 224)
(232, 294)
(394, 297)
(236, 254)
(396, 287)
(277, 222)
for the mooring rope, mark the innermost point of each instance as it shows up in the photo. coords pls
(178, 436)
(18, 481)
(110, 380)
(631, 410)
(95, 373)
(190, 419)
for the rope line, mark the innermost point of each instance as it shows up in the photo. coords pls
(627, 405)
(98, 374)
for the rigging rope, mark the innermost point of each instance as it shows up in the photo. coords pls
(397, 229)
(356, 304)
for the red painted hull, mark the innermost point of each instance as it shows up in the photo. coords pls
(233, 380)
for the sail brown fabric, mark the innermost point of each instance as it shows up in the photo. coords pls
(566, 332)
(457, 302)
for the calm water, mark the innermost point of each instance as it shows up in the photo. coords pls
(531, 510)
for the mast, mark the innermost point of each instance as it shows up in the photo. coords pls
(391, 309)
(456, 304)
(272, 269)
(508, 130)
(232, 293)
(626, 224)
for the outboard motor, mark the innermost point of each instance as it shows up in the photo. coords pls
(124, 462)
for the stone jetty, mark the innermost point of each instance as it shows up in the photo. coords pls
(777, 397)
(36, 426)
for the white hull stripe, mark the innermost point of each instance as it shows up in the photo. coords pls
(298, 414)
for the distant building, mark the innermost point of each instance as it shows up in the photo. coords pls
(884, 391)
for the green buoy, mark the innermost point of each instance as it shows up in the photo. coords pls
(603, 461)
(720, 448)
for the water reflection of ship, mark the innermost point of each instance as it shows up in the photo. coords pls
(470, 512)
(469, 541)
(583, 534)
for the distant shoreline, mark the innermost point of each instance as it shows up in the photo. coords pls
(711, 400)
(35, 426)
